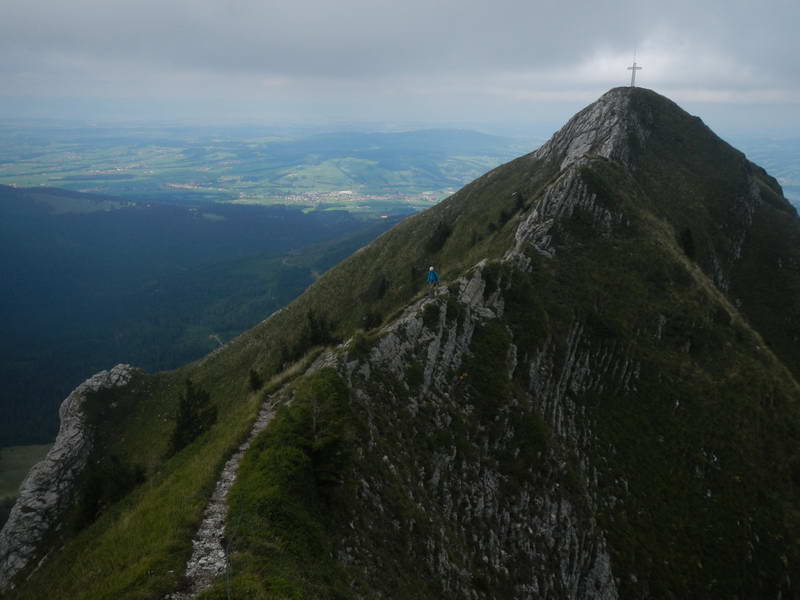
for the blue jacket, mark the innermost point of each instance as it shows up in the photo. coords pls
(432, 277)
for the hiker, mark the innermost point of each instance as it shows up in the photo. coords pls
(433, 278)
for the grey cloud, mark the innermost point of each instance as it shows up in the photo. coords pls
(420, 48)
(316, 37)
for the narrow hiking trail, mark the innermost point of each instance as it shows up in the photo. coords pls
(209, 558)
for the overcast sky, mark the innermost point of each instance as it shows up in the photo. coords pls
(733, 62)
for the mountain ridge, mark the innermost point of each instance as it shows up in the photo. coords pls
(596, 403)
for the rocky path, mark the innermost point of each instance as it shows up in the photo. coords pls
(209, 558)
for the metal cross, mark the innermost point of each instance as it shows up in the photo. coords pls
(633, 70)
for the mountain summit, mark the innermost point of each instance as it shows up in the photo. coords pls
(599, 400)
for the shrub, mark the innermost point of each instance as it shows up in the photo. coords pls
(106, 481)
(283, 498)
(317, 330)
(372, 319)
(455, 310)
(430, 315)
(438, 238)
(503, 218)
(377, 289)
(524, 312)
(491, 277)
(519, 202)
(487, 368)
(195, 415)
(415, 375)
(686, 240)
(255, 380)
(359, 346)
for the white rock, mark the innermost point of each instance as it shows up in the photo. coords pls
(49, 487)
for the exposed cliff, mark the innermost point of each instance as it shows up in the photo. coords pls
(49, 489)
(598, 402)
(474, 482)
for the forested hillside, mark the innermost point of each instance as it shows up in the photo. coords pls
(91, 281)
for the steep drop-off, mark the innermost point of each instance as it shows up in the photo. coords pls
(599, 401)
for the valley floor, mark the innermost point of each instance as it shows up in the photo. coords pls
(15, 462)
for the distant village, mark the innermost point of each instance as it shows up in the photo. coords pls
(349, 198)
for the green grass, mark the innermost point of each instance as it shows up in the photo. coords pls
(15, 462)
(138, 547)
(281, 505)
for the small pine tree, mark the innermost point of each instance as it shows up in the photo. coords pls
(106, 481)
(255, 380)
(438, 237)
(195, 415)
(686, 240)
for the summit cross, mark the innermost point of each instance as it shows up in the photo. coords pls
(633, 70)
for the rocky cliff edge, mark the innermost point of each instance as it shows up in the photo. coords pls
(49, 488)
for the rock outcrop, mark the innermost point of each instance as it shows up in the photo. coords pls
(603, 128)
(462, 513)
(49, 487)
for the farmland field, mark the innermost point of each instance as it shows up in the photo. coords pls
(359, 172)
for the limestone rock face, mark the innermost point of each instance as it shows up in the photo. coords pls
(49, 487)
(602, 129)
(462, 516)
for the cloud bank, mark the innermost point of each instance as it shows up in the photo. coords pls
(380, 59)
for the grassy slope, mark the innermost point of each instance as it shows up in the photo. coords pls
(692, 180)
(157, 520)
(712, 430)
(177, 489)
